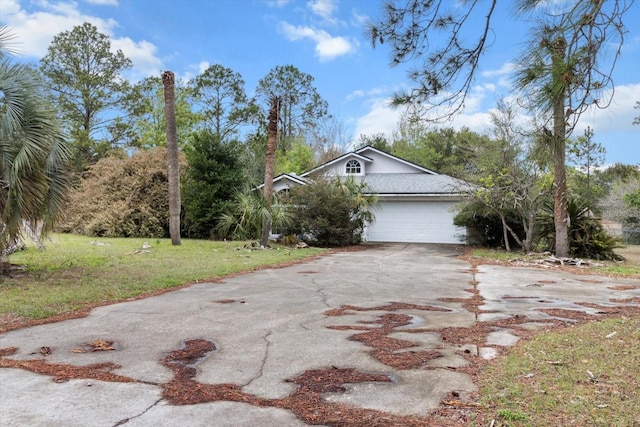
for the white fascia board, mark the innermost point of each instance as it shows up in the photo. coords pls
(294, 178)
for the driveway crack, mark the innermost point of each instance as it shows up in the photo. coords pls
(320, 290)
(126, 420)
(265, 338)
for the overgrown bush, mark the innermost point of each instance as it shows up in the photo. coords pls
(587, 236)
(122, 196)
(330, 212)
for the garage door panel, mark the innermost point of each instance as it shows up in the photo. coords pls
(415, 222)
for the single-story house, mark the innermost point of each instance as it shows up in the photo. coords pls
(415, 204)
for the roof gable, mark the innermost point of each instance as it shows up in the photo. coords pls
(375, 162)
(344, 158)
(372, 152)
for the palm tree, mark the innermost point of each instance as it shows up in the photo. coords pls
(33, 152)
(168, 80)
(272, 141)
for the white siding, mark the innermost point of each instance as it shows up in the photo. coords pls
(415, 222)
(386, 164)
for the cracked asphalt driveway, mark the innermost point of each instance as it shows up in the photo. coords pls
(383, 336)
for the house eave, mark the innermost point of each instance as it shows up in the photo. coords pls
(293, 178)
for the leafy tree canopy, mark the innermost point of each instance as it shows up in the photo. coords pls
(86, 77)
(298, 159)
(219, 91)
(146, 107)
(330, 212)
(302, 107)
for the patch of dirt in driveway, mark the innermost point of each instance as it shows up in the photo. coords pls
(393, 306)
(63, 372)
(385, 348)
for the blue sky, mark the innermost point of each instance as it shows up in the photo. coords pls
(324, 38)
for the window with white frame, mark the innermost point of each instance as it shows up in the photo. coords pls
(353, 167)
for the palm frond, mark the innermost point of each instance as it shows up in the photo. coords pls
(33, 152)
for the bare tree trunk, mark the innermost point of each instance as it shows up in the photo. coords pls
(530, 228)
(505, 233)
(168, 80)
(560, 211)
(33, 231)
(272, 141)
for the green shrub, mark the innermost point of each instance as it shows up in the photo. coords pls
(330, 212)
(213, 176)
(485, 226)
(245, 214)
(587, 237)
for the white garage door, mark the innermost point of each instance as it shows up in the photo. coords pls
(415, 222)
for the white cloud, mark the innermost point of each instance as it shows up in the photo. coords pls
(618, 116)
(504, 74)
(143, 56)
(194, 70)
(359, 93)
(327, 46)
(381, 118)
(324, 9)
(276, 3)
(202, 66)
(358, 20)
(36, 30)
(506, 69)
(103, 2)
(479, 122)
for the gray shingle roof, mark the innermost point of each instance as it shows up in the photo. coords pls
(413, 183)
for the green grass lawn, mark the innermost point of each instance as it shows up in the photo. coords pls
(587, 375)
(72, 273)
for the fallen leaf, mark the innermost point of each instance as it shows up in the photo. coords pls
(101, 345)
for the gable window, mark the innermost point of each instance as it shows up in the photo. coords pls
(353, 167)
